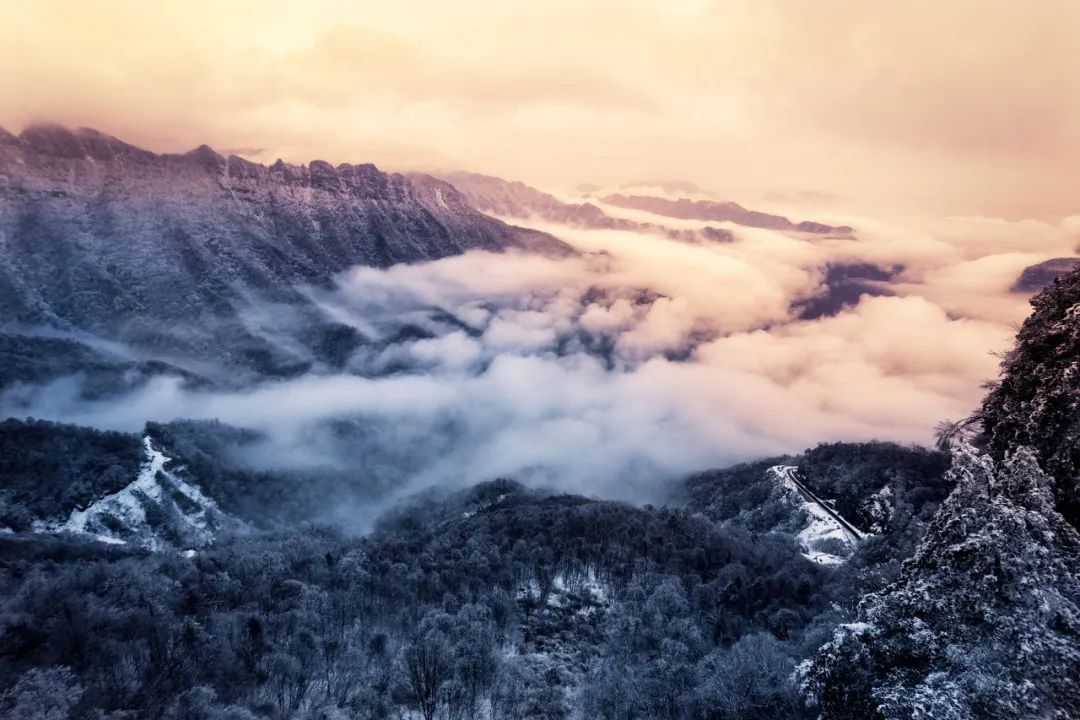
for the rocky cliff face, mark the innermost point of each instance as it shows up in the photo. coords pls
(164, 251)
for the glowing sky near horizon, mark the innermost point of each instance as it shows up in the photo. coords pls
(956, 107)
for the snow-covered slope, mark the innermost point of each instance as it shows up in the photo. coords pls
(827, 538)
(161, 507)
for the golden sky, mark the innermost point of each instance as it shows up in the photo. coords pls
(946, 106)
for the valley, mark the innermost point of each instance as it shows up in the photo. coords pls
(314, 441)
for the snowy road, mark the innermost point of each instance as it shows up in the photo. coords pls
(791, 473)
(825, 523)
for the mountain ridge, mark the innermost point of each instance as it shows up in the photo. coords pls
(517, 200)
(711, 210)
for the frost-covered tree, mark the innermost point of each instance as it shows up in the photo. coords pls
(201, 703)
(985, 619)
(1037, 400)
(522, 692)
(42, 694)
(751, 680)
(427, 664)
(474, 660)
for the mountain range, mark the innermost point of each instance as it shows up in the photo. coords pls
(514, 199)
(102, 242)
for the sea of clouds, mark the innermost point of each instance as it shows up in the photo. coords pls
(635, 362)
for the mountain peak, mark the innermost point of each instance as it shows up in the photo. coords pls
(81, 143)
(207, 157)
(52, 139)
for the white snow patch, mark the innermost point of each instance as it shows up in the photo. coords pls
(470, 513)
(587, 589)
(858, 628)
(822, 558)
(120, 518)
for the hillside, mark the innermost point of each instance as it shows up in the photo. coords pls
(1036, 402)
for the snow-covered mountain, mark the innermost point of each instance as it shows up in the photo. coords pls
(166, 252)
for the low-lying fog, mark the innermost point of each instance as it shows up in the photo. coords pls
(640, 360)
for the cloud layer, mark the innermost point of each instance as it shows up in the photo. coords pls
(634, 363)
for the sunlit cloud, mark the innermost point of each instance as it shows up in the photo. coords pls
(897, 106)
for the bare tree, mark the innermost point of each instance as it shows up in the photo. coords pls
(426, 662)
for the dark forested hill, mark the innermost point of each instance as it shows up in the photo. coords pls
(500, 599)
(496, 601)
(505, 602)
